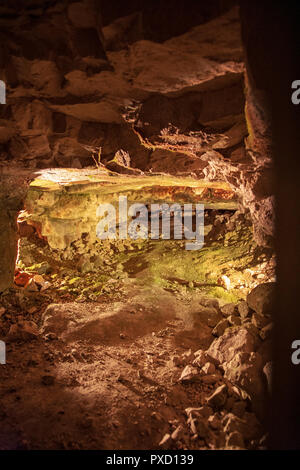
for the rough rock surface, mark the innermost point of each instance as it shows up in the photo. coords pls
(245, 370)
(79, 93)
(261, 298)
(232, 342)
(147, 348)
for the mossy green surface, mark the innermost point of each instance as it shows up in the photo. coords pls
(168, 264)
(160, 263)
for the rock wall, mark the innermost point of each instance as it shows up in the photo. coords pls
(272, 45)
(86, 82)
(13, 189)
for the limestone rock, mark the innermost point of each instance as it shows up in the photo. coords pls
(165, 440)
(234, 320)
(228, 309)
(208, 315)
(235, 439)
(208, 368)
(239, 408)
(249, 426)
(204, 411)
(210, 303)
(220, 328)
(233, 341)
(200, 358)
(23, 331)
(201, 428)
(218, 398)
(267, 370)
(189, 374)
(177, 433)
(214, 422)
(261, 298)
(260, 321)
(243, 309)
(245, 370)
(266, 331)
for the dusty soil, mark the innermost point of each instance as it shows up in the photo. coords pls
(119, 392)
(100, 367)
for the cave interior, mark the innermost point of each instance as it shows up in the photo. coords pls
(135, 342)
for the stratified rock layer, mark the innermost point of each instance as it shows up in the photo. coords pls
(79, 94)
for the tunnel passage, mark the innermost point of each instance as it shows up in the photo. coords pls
(58, 231)
(130, 313)
(117, 325)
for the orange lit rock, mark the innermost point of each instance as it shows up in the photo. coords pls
(22, 279)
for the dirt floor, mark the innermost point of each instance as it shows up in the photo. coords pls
(120, 393)
(100, 368)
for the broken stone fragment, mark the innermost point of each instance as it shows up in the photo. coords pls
(243, 309)
(214, 422)
(22, 279)
(236, 440)
(239, 408)
(210, 303)
(261, 298)
(165, 439)
(218, 398)
(225, 282)
(234, 340)
(200, 358)
(2, 311)
(220, 328)
(39, 280)
(190, 374)
(208, 368)
(208, 315)
(249, 426)
(260, 321)
(192, 423)
(245, 370)
(23, 331)
(45, 286)
(210, 379)
(212, 321)
(266, 331)
(252, 329)
(228, 309)
(234, 320)
(187, 356)
(177, 433)
(267, 370)
(32, 286)
(201, 427)
(204, 411)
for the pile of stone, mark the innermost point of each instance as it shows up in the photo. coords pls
(234, 375)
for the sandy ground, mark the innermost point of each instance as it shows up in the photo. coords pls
(114, 389)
